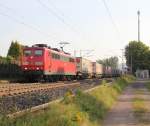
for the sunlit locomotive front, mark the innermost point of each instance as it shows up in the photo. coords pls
(50, 64)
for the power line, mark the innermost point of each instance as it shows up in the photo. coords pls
(16, 20)
(20, 21)
(111, 18)
(58, 10)
(8, 8)
(138, 13)
(54, 13)
(62, 14)
(60, 17)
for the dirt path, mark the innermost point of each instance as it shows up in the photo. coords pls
(122, 113)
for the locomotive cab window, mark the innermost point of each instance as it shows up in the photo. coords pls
(27, 52)
(38, 52)
(55, 56)
(64, 58)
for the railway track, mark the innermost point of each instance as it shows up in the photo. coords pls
(20, 88)
(16, 97)
(16, 89)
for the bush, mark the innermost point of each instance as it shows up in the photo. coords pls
(67, 97)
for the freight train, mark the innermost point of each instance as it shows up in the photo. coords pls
(51, 64)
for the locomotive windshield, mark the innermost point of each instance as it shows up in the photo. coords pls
(38, 52)
(27, 52)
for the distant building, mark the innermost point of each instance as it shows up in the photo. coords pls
(142, 74)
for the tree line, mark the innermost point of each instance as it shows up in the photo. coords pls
(137, 56)
(14, 53)
(109, 62)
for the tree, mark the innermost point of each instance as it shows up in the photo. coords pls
(15, 50)
(1, 59)
(137, 55)
(112, 62)
(4, 59)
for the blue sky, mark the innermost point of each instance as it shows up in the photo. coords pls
(85, 24)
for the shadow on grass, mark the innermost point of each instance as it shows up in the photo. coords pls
(92, 106)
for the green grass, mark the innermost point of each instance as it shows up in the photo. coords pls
(139, 106)
(140, 111)
(148, 85)
(85, 109)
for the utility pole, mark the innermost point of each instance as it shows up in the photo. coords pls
(131, 64)
(74, 53)
(130, 59)
(138, 12)
(122, 60)
(80, 53)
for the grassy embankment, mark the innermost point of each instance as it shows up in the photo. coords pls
(85, 109)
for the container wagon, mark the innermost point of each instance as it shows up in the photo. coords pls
(107, 71)
(97, 70)
(84, 68)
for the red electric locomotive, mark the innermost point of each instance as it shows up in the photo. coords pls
(51, 64)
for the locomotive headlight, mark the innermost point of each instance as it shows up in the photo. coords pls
(37, 68)
(38, 63)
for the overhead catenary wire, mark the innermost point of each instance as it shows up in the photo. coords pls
(55, 14)
(12, 14)
(20, 20)
(61, 17)
(57, 9)
(16, 20)
(62, 14)
(112, 20)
